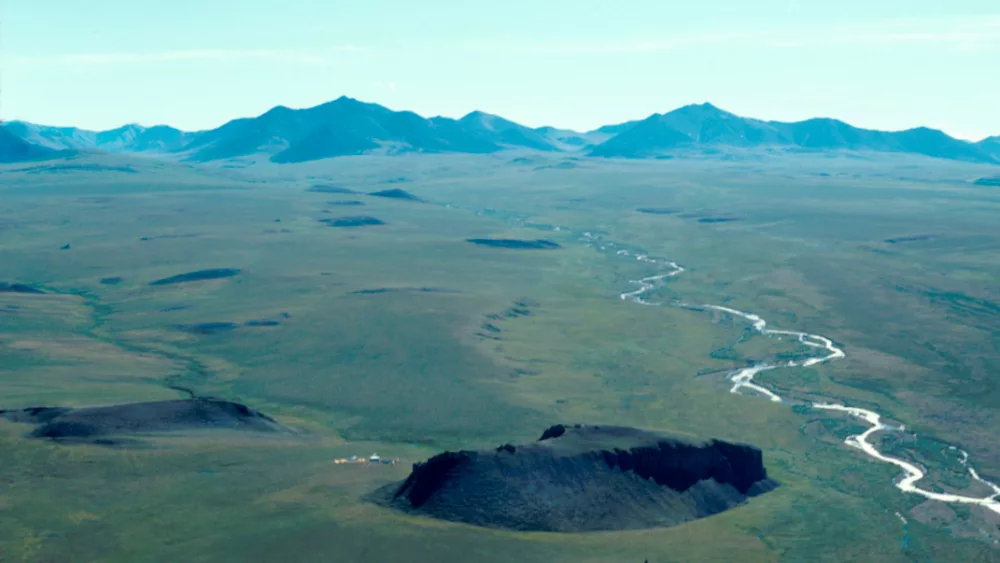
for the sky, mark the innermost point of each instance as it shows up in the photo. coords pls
(578, 64)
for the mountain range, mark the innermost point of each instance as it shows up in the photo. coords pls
(347, 126)
(706, 125)
(15, 149)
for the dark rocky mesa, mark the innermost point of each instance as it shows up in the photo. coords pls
(583, 478)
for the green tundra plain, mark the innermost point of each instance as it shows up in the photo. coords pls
(399, 339)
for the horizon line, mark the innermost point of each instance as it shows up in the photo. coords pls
(344, 96)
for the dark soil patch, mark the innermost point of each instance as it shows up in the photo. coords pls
(911, 238)
(379, 290)
(66, 168)
(717, 219)
(992, 182)
(359, 221)
(200, 275)
(581, 479)
(166, 237)
(347, 202)
(330, 189)
(114, 280)
(658, 210)
(85, 424)
(516, 243)
(261, 322)
(8, 287)
(559, 166)
(521, 308)
(208, 328)
(396, 193)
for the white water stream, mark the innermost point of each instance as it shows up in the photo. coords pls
(744, 379)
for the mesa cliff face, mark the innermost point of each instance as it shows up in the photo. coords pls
(584, 478)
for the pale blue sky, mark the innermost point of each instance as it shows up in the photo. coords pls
(194, 64)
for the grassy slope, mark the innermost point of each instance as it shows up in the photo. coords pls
(404, 374)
